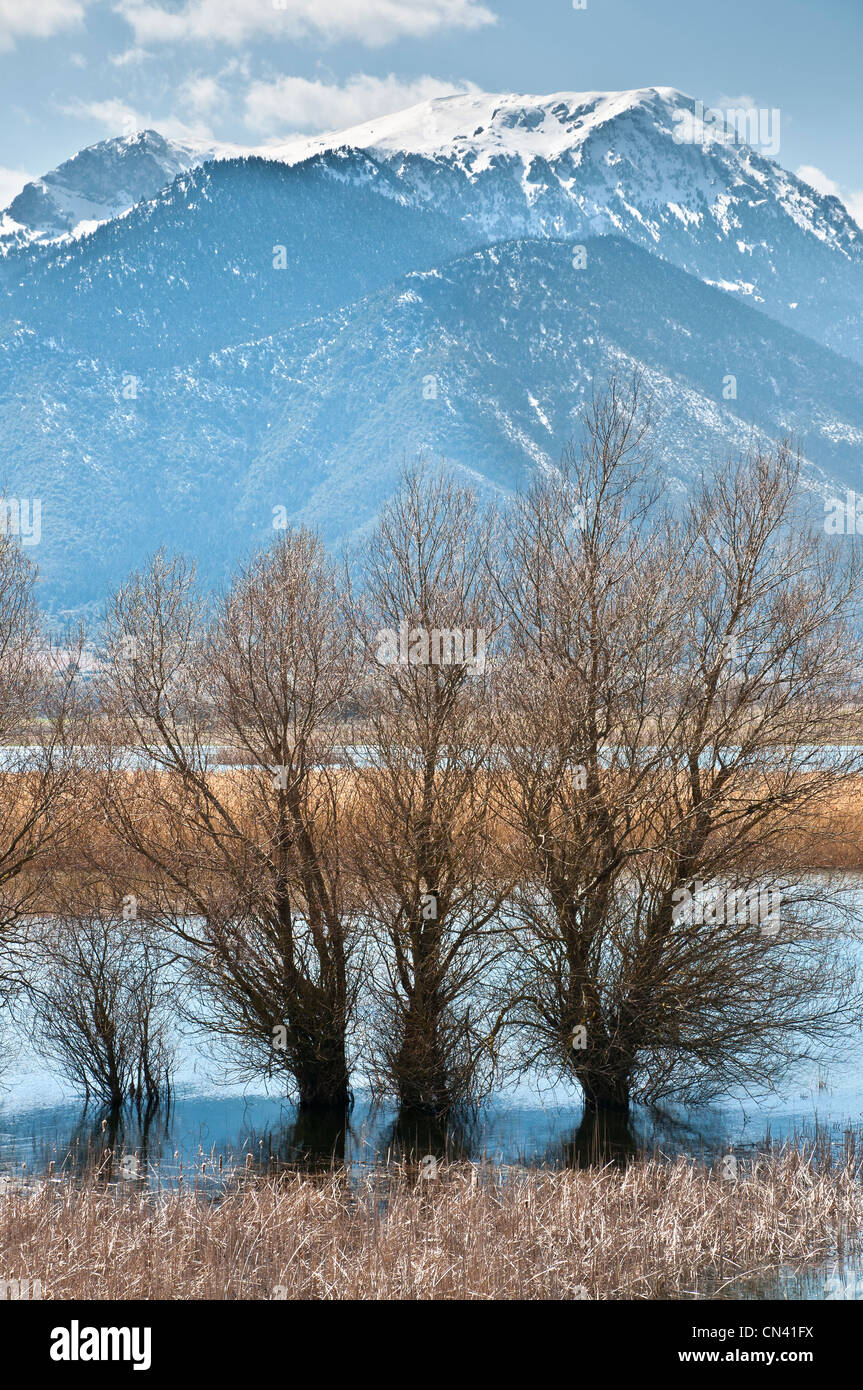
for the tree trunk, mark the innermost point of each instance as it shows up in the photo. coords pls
(323, 1082)
(419, 1067)
(606, 1087)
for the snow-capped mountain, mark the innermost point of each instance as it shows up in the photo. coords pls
(100, 182)
(285, 331)
(642, 164)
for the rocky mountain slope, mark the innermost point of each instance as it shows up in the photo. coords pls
(286, 332)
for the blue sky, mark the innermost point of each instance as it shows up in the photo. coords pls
(253, 71)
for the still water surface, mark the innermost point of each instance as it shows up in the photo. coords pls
(213, 1127)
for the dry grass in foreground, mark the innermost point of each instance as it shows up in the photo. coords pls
(656, 1230)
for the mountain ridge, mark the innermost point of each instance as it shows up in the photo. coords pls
(320, 418)
(286, 333)
(578, 164)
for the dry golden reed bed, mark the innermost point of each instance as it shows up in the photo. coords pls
(656, 1230)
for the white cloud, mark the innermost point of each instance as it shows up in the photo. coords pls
(296, 103)
(130, 57)
(742, 102)
(37, 19)
(822, 183)
(371, 22)
(202, 94)
(235, 66)
(854, 204)
(116, 116)
(817, 179)
(11, 183)
(174, 128)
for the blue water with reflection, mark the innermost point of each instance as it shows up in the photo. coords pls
(208, 1120)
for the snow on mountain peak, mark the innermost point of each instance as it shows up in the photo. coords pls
(100, 182)
(437, 243)
(470, 129)
(475, 127)
(633, 163)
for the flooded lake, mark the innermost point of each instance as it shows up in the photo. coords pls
(212, 1129)
(209, 1119)
(215, 1126)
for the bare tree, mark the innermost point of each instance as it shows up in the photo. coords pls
(425, 846)
(672, 706)
(41, 714)
(43, 717)
(97, 988)
(244, 859)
